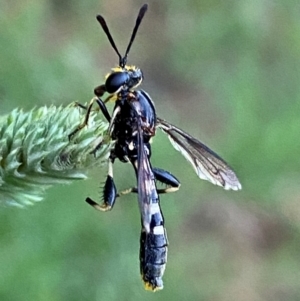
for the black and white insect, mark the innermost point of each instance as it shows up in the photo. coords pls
(132, 124)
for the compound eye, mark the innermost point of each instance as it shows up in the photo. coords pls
(115, 81)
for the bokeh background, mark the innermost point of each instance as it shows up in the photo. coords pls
(225, 71)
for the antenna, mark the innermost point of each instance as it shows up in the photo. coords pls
(135, 29)
(111, 40)
(123, 60)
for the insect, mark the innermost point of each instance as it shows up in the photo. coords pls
(132, 124)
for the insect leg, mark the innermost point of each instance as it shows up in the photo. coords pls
(87, 116)
(109, 192)
(101, 103)
(102, 107)
(77, 104)
(162, 176)
(167, 178)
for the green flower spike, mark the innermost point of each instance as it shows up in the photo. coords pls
(36, 153)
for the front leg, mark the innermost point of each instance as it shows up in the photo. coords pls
(87, 116)
(102, 107)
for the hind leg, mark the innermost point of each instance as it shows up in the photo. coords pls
(109, 192)
(162, 176)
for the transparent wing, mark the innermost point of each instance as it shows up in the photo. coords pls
(207, 164)
(145, 181)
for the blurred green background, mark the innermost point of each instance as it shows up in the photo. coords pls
(225, 71)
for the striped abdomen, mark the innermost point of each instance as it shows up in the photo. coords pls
(153, 250)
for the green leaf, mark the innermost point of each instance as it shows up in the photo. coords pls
(36, 153)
